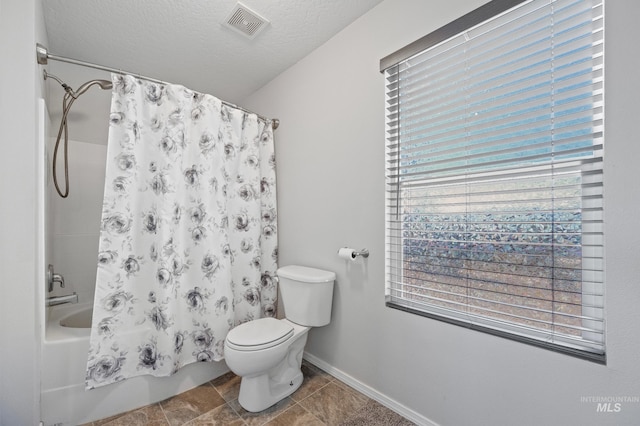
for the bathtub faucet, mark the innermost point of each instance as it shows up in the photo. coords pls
(53, 278)
(59, 300)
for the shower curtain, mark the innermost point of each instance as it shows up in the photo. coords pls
(188, 242)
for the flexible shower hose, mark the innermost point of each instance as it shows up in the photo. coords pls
(68, 97)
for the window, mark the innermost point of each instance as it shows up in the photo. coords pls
(494, 174)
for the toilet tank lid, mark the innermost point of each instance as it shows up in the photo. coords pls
(306, 274)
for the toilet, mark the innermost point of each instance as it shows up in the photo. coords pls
(267, 352)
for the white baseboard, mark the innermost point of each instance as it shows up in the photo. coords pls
(370, 392)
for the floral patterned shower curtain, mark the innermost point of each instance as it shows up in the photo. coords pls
(188, 244)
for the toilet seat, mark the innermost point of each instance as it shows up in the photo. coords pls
(259, 334)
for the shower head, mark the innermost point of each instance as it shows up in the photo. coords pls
(104, 85)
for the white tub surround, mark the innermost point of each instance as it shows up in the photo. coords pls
(64, 361)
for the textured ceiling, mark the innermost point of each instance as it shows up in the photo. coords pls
(183, 41)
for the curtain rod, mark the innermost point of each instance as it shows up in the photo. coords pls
(43, 57)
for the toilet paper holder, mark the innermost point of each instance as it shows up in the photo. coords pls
(354, 253)
(363, 253)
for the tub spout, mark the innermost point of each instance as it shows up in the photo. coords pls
(59, 300)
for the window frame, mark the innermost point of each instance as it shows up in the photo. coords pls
(471, 19)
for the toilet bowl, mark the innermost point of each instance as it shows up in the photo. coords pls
(270, 372)
(267, 352)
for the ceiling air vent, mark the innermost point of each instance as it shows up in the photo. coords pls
(245, 21)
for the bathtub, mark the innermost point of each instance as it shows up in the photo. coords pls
(64, 400)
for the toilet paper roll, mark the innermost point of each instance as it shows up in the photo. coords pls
(347, 253)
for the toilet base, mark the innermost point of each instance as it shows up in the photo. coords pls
(260, 392)
(253, 397)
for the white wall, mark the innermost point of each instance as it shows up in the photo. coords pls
(330, 153)
(76, 219)
(21, 25)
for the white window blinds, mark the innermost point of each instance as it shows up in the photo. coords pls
(494, 177)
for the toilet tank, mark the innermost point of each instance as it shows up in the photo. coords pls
(307, 294)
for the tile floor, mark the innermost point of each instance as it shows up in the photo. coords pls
(320, 400)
